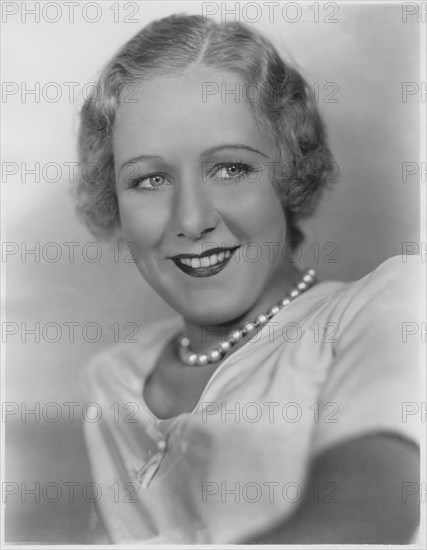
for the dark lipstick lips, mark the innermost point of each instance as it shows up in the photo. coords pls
(204, 254)
(207, 271)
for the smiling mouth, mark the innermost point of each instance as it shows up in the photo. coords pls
(207, 264)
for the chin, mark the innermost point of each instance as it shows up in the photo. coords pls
(218, 314)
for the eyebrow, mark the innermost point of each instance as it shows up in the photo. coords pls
(138, 159)
(204, 154)
(234, 146)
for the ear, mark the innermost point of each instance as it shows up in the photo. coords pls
(118, 234)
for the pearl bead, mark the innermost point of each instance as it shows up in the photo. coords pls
(285, 302)
(294, 293)
(302, 286)
(214, 355)
(191, 358)
(307, 278)
(235, 336)
(249, 327)
(202, 359)
(274, 310)
(225, 346)
(261, 319)
(185, 342)
(311, 272)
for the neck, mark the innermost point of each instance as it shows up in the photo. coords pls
(204, 337)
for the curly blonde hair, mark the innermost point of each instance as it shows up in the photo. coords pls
(178, 43)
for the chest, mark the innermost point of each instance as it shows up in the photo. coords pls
(174, 388)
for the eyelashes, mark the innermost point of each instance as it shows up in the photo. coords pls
(242, 168)
(136, 182)
(223, 172)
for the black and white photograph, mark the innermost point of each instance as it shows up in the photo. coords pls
(213, 274)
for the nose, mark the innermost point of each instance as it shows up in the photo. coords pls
(194, 213)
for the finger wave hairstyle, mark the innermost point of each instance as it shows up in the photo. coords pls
(173, 45)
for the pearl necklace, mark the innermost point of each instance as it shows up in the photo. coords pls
(189, 357)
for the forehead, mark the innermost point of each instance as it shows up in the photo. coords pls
(192, 112)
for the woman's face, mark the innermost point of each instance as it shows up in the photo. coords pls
(200, 178)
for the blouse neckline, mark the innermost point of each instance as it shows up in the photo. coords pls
(173, 334)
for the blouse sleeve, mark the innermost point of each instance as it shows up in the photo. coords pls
(374, 380)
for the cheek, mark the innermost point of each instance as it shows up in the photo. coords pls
(143, 230)
(140, 224)
(260, 215)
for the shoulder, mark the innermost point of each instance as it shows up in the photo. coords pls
(398, 269)
(392, 282)
(375, 369)
(383, 300)
(378, 312)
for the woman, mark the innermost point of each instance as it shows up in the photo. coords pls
(271, 412)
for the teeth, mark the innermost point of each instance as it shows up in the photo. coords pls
(206, 261)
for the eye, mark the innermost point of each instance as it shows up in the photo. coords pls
(232, 171)
(150, 182)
